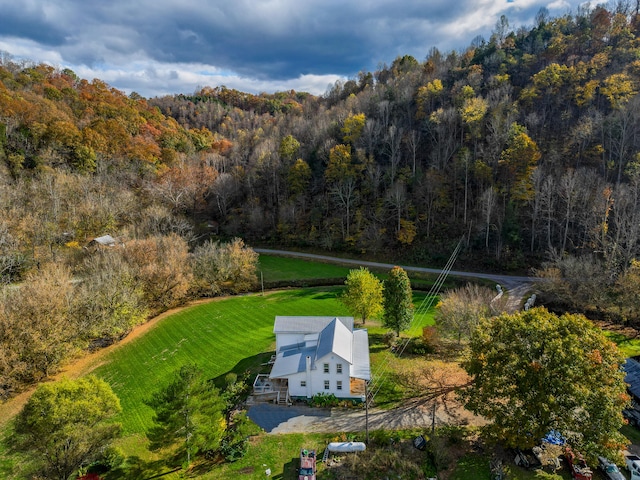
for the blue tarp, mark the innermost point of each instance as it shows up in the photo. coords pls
(554, 438)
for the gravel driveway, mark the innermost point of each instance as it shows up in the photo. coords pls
(300, 418)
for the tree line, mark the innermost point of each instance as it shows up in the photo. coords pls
(525, 143)
(56, 312)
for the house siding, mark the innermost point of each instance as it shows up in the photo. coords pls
(316, 378)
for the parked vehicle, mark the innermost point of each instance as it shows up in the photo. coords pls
(577, 465)
(633, 464)
(610, 469)
(307, 469)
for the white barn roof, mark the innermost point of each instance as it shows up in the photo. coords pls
(307, 324)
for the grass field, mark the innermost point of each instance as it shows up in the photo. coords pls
(222, 336)
(282, 269)
(229, 335)
(279, 269)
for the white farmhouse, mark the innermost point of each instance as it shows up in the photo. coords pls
(320, 355)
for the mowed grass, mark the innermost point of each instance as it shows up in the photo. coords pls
(220, 337)
(280, 269)
(229, 335)
(283, 269)
(629, 346)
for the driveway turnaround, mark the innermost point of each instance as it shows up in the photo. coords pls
(281, 419)
(303, 419)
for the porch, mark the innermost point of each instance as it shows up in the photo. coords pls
(267, 389)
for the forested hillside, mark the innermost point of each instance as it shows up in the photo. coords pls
(527, 145)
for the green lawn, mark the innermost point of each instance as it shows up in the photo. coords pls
(279, 269)
(234, 334)
(220, 336)
(629, 346)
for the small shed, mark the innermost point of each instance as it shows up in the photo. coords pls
(105, 241)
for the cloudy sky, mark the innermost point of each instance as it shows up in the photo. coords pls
(158, 47)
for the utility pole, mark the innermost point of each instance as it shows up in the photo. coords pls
(433, 417)
(366, 412)
(262, 282)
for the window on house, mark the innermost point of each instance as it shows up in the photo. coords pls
(303, 383)
(326, 368)
(339, 385)
(339, 368)
(326, 384)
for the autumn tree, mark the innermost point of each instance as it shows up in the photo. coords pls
(398, 301)
(298, 177)
(517, 163)
(460, 310)
(363, 294)
(68, 424)
(533, 372)
(626, 292)
(161, 270)
(109, 302)
(229, 267)
(341, 175)
(36, 330)
(353, 127)
(289, 146)
(189, 410)
(185, 186)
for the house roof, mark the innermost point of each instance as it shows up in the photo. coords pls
(335, 338)
(292, 360)
(307, 324)
(360, 365)
(632, 369)
(106, 240)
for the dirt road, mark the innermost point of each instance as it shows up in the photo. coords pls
(508, 281)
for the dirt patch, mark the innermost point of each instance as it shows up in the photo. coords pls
(625, 330)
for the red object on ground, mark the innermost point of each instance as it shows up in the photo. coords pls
(578, 466)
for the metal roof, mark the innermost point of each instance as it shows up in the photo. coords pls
(632, 369)
(336, 338)
(292, 360)
(360, 366)
(307, 324)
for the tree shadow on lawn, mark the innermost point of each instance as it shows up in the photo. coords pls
(136, 468)
(376, 343)
(250, 365)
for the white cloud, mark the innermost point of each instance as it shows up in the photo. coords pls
(157, 47)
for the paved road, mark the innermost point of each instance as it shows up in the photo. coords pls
(508, 281)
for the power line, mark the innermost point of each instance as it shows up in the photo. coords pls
(382, 370)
